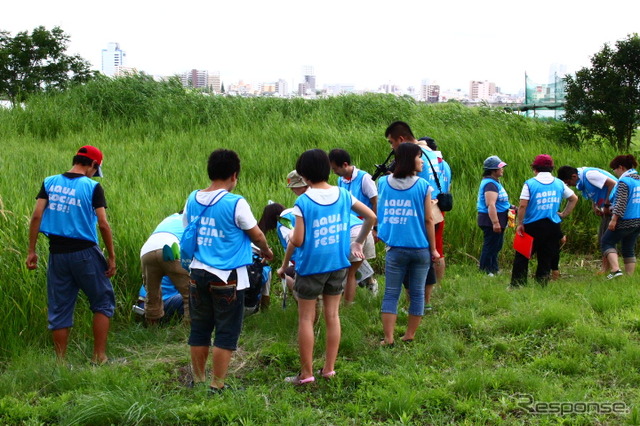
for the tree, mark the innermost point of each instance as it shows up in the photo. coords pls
(604, 100)
(31, 63)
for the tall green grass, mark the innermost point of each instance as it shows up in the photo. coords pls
(156, 138)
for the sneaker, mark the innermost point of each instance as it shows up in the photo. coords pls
(372, 286)
(491, 274)
(615, 274)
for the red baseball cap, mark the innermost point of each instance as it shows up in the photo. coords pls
(93, 153)
(542, 160)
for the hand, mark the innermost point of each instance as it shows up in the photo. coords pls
(497, 228)
(612, 225)
(280, 272)
(111, 268)
(266, 255)
(520, 230)
(435, 256)
(356, 250)
(561, 214)
(32, 261)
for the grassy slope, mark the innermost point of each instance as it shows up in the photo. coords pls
(571, 341)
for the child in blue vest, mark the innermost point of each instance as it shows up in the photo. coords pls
(405, 225)
(321, 235)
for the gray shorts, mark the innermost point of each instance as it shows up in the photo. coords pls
(310, 287)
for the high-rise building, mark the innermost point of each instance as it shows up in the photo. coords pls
(309, 80)
(282, 88)
(433, 93)
(197, 79)
(112, 58)
(481, 90)
(213, 82)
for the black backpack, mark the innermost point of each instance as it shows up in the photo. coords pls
(253, 293)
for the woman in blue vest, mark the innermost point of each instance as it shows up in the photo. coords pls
(538, 216)
(493, 213)
(321, 235)
(405, 225)
(625, 219)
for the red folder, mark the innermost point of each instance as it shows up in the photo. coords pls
(524, 244)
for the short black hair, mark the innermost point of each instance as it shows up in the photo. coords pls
(222, 164)
(397, 129)
(314, 166)
(339, 157)
(541, 169)
(565, 173)
(82, 160)
(406, 154)
(431, 143)
(627, 161)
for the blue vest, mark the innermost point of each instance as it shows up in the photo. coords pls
(401, 214)
(354, 186)
(589, 191)
(326, 238)
(502, 203)
(221, 244)
(70, 212)
(633, 202)
(446, 177)
(427, 172)
(544, 201)
(172, 225)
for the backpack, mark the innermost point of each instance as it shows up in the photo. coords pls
(254, 292)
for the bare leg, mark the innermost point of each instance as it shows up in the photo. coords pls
(221, 360)
(412, 326)
(629, 267)
(332, 319)
(199, 355)
(427, 293)
(612, 258)
(306, 339)
(440, 268)
(100, 332)
(350, 287)
(388, 326)
(60, 341)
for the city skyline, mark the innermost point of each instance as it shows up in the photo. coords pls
(358, 44)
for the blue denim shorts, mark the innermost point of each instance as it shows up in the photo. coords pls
(214, 306)
(68, 273)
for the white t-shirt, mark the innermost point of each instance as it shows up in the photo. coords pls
(594, 177)
(157, 241)
(323, 197)
(545, 178)
(243, 218)
(369, 188)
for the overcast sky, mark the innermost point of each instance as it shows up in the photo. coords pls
(361, 43)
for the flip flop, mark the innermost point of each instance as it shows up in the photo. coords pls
(328, 375)
(297, 381)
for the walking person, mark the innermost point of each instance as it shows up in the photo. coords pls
(406, 227)
(493, 213)
(538, 216)
(321, 235)
(624, 226)
(218, 270)
(68, 208)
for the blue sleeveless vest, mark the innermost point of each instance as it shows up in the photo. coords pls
(326, 238)
(544, 201)
(172, 225)
(589, 191)
(355, 187)
(502, 203)
(221, 244)
(70, 210)
(401, 214)
(286, 220)
(633, 202)
(427, 173)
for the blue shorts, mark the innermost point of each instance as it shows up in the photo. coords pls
(70, 272)
(214, 306)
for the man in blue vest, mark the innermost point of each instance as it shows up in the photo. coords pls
(68, 208)
(219, 276)
(538, 216)
(158, 260)
(596, 186)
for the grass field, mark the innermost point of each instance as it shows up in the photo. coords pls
(573, 341)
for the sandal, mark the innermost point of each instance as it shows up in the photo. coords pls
(328, 375)
(297, 381)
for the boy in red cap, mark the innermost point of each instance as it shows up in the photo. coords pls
(69, 206)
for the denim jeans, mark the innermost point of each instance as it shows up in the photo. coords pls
(414, 263)
(491, 247)
(628, 237)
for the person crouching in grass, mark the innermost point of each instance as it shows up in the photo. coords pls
(321, 234)
(406, 226)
